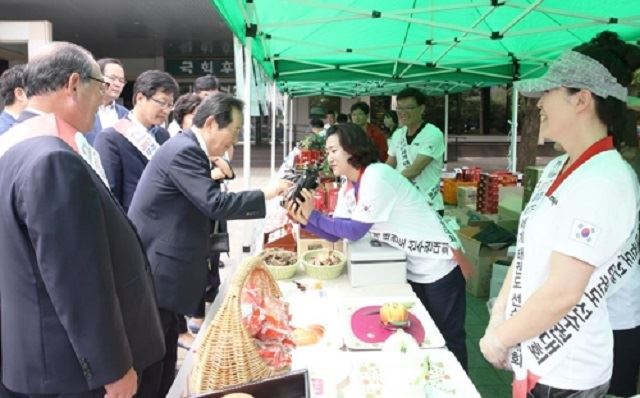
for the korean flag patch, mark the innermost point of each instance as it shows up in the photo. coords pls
(584, 232)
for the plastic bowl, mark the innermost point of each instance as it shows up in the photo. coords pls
(323, 271)
(280, 271)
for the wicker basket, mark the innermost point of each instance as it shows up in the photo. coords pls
(281, 272)
(228, 355)
(323, 271)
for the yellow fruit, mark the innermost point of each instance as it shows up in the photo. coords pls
(393, 313)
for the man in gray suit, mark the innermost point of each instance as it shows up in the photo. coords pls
(79, 316)
(172, 208)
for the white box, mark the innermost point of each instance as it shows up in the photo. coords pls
(375, 264)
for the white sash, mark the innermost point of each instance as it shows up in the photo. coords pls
(406, 162)
(46, 125)
(90, 156)
(536, 357)
(138, 136)
(426, 247)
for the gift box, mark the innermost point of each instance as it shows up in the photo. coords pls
(374, 263)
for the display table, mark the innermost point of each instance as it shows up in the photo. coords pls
(336, 362)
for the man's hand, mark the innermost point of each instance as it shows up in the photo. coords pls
(217, 174)
(223, 165)
(275, 188)
(126, 387)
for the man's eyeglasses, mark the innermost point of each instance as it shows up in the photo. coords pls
(120, 80)
(104, 86)
(407, 108)
(166, 105)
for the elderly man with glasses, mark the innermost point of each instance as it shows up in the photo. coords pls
(109, 111)
(79, 313)
(127, 146)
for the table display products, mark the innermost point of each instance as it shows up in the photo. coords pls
(249, 338)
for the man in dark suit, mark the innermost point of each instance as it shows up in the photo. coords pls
(173, 207)
(125, 148)
(13, 95)
(79, 317)
(109, 111)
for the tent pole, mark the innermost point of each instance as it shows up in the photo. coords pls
(285, 125)
(446, 129)
(514, 129)
(291, 124)
(274, 109)
(248, 81)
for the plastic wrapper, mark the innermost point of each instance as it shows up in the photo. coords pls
(267, 319)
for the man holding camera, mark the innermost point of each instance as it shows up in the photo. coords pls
(173, 207)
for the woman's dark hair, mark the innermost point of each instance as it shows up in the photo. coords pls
(393, 115)
(185, 105)
(621, 60)
(355, 142)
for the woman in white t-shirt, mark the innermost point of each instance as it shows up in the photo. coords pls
(379, 200)
(578, 235)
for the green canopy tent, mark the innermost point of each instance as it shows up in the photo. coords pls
(376, 47)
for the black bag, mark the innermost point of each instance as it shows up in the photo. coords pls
(219, 238)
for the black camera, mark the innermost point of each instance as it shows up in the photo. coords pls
(307, 180)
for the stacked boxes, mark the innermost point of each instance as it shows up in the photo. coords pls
(449, 193)
(488, 190)
(450, 189)
(467, 196)
(487, 199)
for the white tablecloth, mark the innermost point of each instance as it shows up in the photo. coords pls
(330, 362)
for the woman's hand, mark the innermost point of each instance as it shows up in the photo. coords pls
(306, 206)
(295, 213)
(497, 314)
(493, 350)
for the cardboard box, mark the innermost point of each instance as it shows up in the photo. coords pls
(450, 189)
(467, 196)
(509, 225)
(304, 245)
(375, 264)
(463, 215)
(510, 204)
(482, 257)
